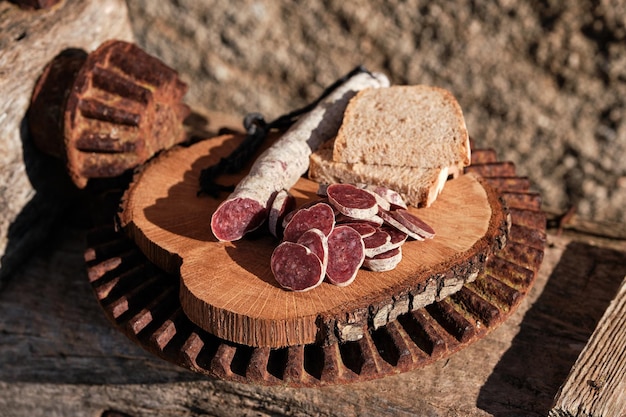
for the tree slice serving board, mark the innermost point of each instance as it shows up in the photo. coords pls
(228, 289)
(142, 301)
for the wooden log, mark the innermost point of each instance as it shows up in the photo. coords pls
(596, 385)
(34, 187)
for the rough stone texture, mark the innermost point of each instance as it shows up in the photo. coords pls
(542, 82)
(33, 187)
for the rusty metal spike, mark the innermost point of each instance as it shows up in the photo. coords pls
(294, 367)
(509, 184)
(512, 274)
(129, 295)
(113, 82)
(525, 200)
(473, 303)
(420, 326)
(162, 336)
(529, 218)
(221, 362)
(258, 364)
(502, 294)
(360, 356)
(95, 109)
(523, 255)
(104, 143)
(451, 320)
(191, 349)
(483, 156)
(399, 338)
(495, 169)
(96, 270)
(153, 310)
(333, 368)
(534, 238)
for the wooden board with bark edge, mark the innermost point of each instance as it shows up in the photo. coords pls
(228, 289)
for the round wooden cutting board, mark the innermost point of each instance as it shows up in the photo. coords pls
(227, 288)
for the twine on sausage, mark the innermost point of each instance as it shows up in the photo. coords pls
(257, 130)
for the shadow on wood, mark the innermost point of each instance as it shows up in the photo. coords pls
(554, 331)
(52, 194)
(53, 330)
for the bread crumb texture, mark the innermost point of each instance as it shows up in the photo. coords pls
(414, 126)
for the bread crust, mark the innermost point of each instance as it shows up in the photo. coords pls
(418, 186)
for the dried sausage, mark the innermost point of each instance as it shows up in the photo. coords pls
(282, 164)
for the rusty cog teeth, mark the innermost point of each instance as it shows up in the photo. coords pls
(509, 184)
(107, 112)
(525, 256)
(256, 367)
(522, 200)
(104, 143)
(221, 362)
(112, 82)
(164, 333)
(154, 311)
(528, 218)
(143, 302)
(294, 371)
(494, 169)
(534, 238)
(477, 306)
(483, 156)
(95, 109)
(451, 320)
(418, 325)
(501, 293)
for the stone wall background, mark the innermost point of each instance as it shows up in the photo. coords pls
(542, 82)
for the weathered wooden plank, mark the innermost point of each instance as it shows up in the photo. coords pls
(60, 356)
(596, 385)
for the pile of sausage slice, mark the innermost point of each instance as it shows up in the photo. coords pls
(331, 238)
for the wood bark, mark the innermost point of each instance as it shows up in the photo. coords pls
(34, 187)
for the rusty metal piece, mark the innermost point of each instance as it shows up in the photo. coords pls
(143, 302)
(522, 200)
(509, 184)
(48, 100)
(107, 112)
(493, 169)
(483, 156)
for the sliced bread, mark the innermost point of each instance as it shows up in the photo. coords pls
(410, 126)
(418, 186)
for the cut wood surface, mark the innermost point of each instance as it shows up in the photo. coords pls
(228, 288)
(35, 188)
(596, 385)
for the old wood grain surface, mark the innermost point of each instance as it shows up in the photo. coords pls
(596, 385)
(60, 356)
